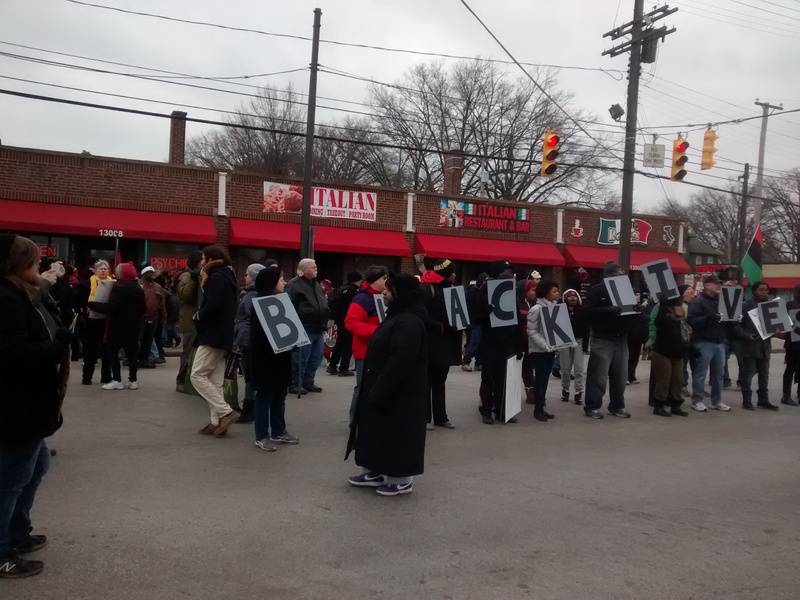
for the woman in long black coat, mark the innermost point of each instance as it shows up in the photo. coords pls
(34, 367)
(388, 431)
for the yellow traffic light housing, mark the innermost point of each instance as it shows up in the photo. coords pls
(679, 159)
(549, 154)
(709, 148)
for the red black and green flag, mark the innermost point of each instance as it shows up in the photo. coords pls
(751, 263)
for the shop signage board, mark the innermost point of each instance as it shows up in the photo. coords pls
(458, 214)
(325, 202)
(610, 231)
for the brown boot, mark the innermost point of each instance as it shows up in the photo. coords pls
(529, 396)
(225, 422)
(208, 429)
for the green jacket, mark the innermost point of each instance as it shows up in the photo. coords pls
(188, 296)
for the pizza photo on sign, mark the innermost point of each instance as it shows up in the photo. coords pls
(283, 198)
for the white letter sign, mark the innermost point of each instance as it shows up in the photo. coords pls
(731, 303)
(556, 326)
(280, 322)
(455, 301)
(504, 300)
(773, 316)
(380, 306)
(794, 314)
(660, 280)
(621, 293)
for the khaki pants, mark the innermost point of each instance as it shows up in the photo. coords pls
(186, 353)
(669, 379)
(208, 376)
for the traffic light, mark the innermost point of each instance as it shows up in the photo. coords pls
(709, 148)
(679, 158)
(549, 153)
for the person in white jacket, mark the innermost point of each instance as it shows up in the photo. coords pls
(542, 353)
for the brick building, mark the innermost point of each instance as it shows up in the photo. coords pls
(79, 207)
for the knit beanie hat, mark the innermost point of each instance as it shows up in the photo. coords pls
(610, 267)
(354, 276)
(194, 258)
(444, 268)
(271, 263)
(254, 269)
(401, 283)
(498, 266)
(266, 280)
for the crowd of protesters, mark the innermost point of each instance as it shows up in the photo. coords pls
(401, 359)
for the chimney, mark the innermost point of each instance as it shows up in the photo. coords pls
(177, 137)
(453, 167)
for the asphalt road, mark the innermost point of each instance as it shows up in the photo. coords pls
(138, 506)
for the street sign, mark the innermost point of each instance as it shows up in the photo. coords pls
(654, 155)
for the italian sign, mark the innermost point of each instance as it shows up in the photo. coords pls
(660, 280)
(279, 320)
(621, 293)
(325, 202)
(731, 303)
(455, 302)
(610, 228)
(457, 214)
(556, 325)
(504, 301)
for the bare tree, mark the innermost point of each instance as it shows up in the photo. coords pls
(781, 218)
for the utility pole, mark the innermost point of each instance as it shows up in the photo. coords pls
(306, 246)
(743, 214)
(759, 193)
(639, 36)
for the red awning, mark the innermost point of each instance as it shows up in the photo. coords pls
(484, 250)
(782, 283)
(277, 234)
(596, 258)
(39, 217)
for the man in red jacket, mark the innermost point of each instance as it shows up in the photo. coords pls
(362, 321)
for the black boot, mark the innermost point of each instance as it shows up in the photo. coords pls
(247, 411)
(579, 398)
(529, 396)
(747, 402)
(565, 395)
(661, 411)
(538, 410)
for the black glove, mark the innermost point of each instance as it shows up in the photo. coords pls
(755, 337)
(616, 311)
(718, 318)
(64, 335)
(638, 308)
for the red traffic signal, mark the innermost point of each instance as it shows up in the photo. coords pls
(551, 141)
(683, 146)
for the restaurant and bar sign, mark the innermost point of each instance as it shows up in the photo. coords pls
(325, 202)
(457, 214)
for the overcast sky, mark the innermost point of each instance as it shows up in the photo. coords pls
(724, 55)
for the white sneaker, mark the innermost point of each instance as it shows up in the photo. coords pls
(700, 407)
(721, 406)
(131, 385)
(113, 385)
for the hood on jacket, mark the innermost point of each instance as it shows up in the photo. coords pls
(481, 279)
(126, 272)
(570, 291)
(431, 277)
(266, 280)
(544, 302)
(193, 260)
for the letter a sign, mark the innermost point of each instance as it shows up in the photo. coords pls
(280, 322)
(455, 301)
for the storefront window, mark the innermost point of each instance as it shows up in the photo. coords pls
(165, 257)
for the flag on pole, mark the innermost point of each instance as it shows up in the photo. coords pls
(751, 263)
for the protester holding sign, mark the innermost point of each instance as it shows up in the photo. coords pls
(388, 431)
(271, 372)
(214, 320)
(755, 352)
(572, 357)
(312, 305)
(792, 346)
(709, 334)
(241, 338)
(362, 321)
(498, 341)
(608, 357)
(542, 352)
(669, 349)
(444, 340)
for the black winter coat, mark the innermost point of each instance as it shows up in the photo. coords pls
(388, 431)
(603, 318)
(268, 371)
(702, 318)
(444, 341)
(217, 310)
(503, 341)
(311, 304)
(124, 308)
(670, 339)
(346, 295)
(30, 404)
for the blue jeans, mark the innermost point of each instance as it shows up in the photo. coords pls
(712, 356)
(306, 361)
(22, 467)
(269, 412)
(359, 374)
(472, 347)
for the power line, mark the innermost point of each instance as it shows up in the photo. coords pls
(335, 139)
(772, 12)
(712, 8)
(338, 43)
